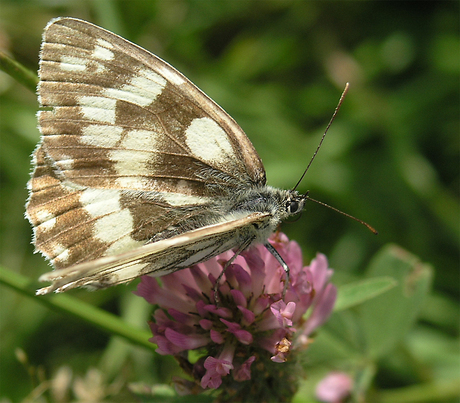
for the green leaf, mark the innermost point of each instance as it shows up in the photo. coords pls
(387, 318)
(356, 293)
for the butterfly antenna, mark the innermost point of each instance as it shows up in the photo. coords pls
(325, 132)
(372, 229)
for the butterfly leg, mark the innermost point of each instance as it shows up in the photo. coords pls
(283, 264)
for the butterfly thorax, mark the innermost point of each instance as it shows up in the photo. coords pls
(277, 203)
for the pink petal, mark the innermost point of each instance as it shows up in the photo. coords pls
(186, 342)
(173, 282)
(165, 347)
(161, 319)
(244, 280)
(206, 324)
(230, 276)
(268, 322)
(222, 312)
(257, 266)
(261, 304)
(193, 293)
(295, 257)
(200, 278)
(182, 317)
(253, 259)
(243, 336)
(216, 336)
(278, 358)
(248, 316)
(218, 366)
(201, 308)
(283, 312)
(149, 289)
(319, 269)
(334, 387)
(212, 382)
(243, 373)
(239, 298)
(322, 309)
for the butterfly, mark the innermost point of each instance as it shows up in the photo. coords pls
(138, 171)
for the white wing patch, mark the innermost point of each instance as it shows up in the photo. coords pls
(129, 271)
(179, 199)
(123, 244)
(101, 135)
(128, 162)
(140, 140)
(60, 250)
(102, 53)
(100, 202)
(100, 109)
(128, 182)
(113, 224)
(63, 256)
(104, 43)
(48, 224)
(142, 89)
(65, 163)
(72, 63)
(44, 215)
(208, 141)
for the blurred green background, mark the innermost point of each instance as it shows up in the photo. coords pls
(391, 157)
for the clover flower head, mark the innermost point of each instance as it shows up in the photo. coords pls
(253, 329)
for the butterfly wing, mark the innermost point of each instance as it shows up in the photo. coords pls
(157, 258)
(130, 148)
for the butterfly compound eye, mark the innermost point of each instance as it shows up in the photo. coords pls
(292, 206)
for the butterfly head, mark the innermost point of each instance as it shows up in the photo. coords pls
(295, 202)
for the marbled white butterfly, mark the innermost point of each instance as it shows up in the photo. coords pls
(137, 170)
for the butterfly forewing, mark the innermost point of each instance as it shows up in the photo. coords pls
(131, 151)
(120, 108)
